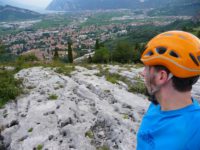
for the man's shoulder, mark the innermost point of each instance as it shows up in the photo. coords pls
(193, 117)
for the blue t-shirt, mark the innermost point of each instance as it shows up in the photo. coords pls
(170, 130)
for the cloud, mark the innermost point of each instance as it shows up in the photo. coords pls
(35, 3)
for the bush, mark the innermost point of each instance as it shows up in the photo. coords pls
(101, 55)
(123, 53)
(6, 56)
(113, 78)
(138, 87)
(89, 134)
(39, 147)
(104, 147)
(9, 87)
(30, 130)
(27, 58)
(53, 97)
(66, 70)
(25, 61)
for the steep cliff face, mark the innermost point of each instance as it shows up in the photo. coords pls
(171, 7)
(91, 4)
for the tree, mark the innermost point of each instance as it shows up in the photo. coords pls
(70, 55)
(5, 55)
(89, 59)
(101, 55)
(2, 49)
(97, 46)
(56, 56)
(137, 52)
(184, 28)
(123, 53)
(137, 46)
(198, 34)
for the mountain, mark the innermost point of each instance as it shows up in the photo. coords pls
(177, 7)
(26, 5)
(173, 6)
(8, 13)
(70, 5)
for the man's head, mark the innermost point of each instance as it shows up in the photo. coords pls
(172, 54)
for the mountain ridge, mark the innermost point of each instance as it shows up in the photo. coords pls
(8, 13)
(79, 5)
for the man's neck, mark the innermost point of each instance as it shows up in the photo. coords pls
(173, 100)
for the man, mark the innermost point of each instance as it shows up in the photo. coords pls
(172, 66)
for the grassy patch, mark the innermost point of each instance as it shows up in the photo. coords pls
(39, 147)
(10, 87)
(107, 91)
(138, 65)
(30, 130)
(138, 87)
(65, 70)
(53, 97)
(29, 61)
(89, 134)
(125, 116)
(104, 147)
(61, 86)
(114, 78)
(88, 66)
(53, 21)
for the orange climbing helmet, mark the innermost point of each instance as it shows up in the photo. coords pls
(178, 51)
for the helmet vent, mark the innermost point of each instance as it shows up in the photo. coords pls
(198, 58)
(149, 53)
(194, 59)
(174, 54)
(161, 50)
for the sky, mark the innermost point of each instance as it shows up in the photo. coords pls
(35, 3)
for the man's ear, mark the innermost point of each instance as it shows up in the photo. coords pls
(163, 76)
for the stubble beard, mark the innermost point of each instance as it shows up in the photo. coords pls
(151, 96)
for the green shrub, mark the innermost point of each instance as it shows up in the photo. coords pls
(53, 97)
(89, 134)
(88, 66)
(9, 87)
(104, 147)
(26, 58)
(138, 87)
(107, 91)
(99, 74)
(30, 130)
(125, 116)
(39, 147)
(114, 78)
(25, 61)
(101, 55)
(66, 70)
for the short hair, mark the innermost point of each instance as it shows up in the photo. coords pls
(180, 84)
